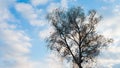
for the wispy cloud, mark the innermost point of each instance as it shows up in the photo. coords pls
(116, 10)
(53, 6)
(46, 33)
(39, 2)
(15, 46)
(30, 13)
(110, 28)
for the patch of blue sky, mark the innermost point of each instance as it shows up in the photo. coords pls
(38, 49)
(20, 20)
(104, 8)
(23, 1)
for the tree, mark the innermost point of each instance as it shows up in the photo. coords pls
(75, 37)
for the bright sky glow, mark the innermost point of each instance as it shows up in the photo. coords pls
(23, 30)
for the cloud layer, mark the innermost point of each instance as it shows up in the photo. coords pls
(15, 43)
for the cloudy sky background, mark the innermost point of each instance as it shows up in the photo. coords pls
(23, 29)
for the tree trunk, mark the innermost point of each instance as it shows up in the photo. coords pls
(80, 66)
(77, 66)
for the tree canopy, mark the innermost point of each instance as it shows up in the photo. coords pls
(75, 37)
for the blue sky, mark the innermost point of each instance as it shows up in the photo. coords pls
(23, 30)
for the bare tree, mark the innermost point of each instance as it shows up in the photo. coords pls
(75, 37)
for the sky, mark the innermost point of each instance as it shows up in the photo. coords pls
(24, 29)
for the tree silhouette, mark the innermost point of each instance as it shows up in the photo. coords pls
(75, 37)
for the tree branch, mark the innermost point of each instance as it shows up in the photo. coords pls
(70, 49)
(80, 43)
(73, 39)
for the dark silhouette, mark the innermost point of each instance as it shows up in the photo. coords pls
(75, 37)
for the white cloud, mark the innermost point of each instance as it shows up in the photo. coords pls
(116, 10)
(110, 28)
(54, 61)
(14, 44)
(104, 8)
(107, 63)
(109, 0)
(56, 5)
(26, 9)
(64, 3)
(46, 33)
(16, 40)
(30, 13)
(39, 2)
(15, 48)
(53, 6)
(6, 3)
